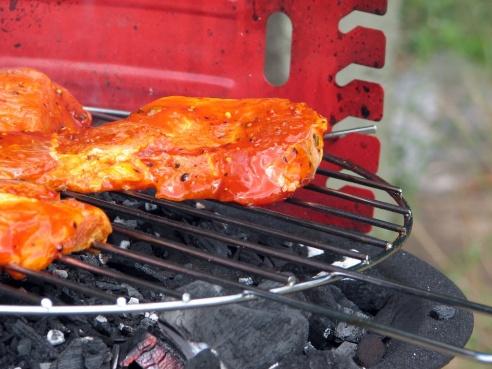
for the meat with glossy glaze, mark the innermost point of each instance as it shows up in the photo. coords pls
(36, 226)
(31, 102)
(250, 151)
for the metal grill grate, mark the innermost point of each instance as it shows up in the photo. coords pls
(351, 251)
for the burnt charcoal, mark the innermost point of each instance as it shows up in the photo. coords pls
(23, 330)
(275, 306)
(314, 360)
(24, 347)
(205, 359)
(255, 331)
(96, 354)
(102, 325)
(348, 332)
(110, 285)
(84, 353)
(208, 244)
(293, 361)
(130, 223)
(126, 330)
(368, 297)
(132, 292)
(443, 312)
(344, 356)
(132, 203)
(331, 296)
(370, 350)
(321, 332)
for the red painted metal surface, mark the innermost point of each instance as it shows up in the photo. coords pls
(124, 53)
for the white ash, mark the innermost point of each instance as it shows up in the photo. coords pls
(103, 258)
(248, 281)
(131, 203)
(61, 273)
(346, 262)
(150, 207)
(133, 301)
(197, 347)
(152, 316)
(308, 347)
(327, 333)
(101, 319)
(124, 244)
(131, 223)
(312, 251)
(199, 205)
(55, 337)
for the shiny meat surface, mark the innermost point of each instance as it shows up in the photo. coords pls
(250, 151)
(31, 102)
(36, 226)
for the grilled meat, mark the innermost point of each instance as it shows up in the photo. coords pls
(36, 226)
(250, 151)
(31, 102)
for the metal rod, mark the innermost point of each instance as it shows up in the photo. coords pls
(142, 236)
(359, 180)
(168, 265)
(190, 228)
(202, 213)
(103, 116)
(336, 134)
(346, 214)
(355, 236)
(69, 260)
(263, 250)
(46, 277)
(17, 293)
(414, 291)
(114, 112)
(359, 199)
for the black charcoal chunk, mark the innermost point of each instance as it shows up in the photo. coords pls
(321, 332)
(24, 347)
(344, 356)
(254, 331)
(84, 353)
(368, 297)
(314, 360)
(40, 343)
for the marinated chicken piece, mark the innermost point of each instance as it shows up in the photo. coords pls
(31, 102)
(250, 151)
(36, 226)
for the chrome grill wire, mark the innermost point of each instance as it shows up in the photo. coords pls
(380, 250)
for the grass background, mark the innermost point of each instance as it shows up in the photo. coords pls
(447, 45)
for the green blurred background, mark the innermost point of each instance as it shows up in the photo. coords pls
(437, 137)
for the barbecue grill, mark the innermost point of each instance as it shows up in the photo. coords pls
(91, 48)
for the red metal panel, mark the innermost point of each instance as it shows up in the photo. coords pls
(124, 53)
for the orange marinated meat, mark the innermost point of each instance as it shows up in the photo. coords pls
(31, 102)
(36, 226)
(249, 151)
